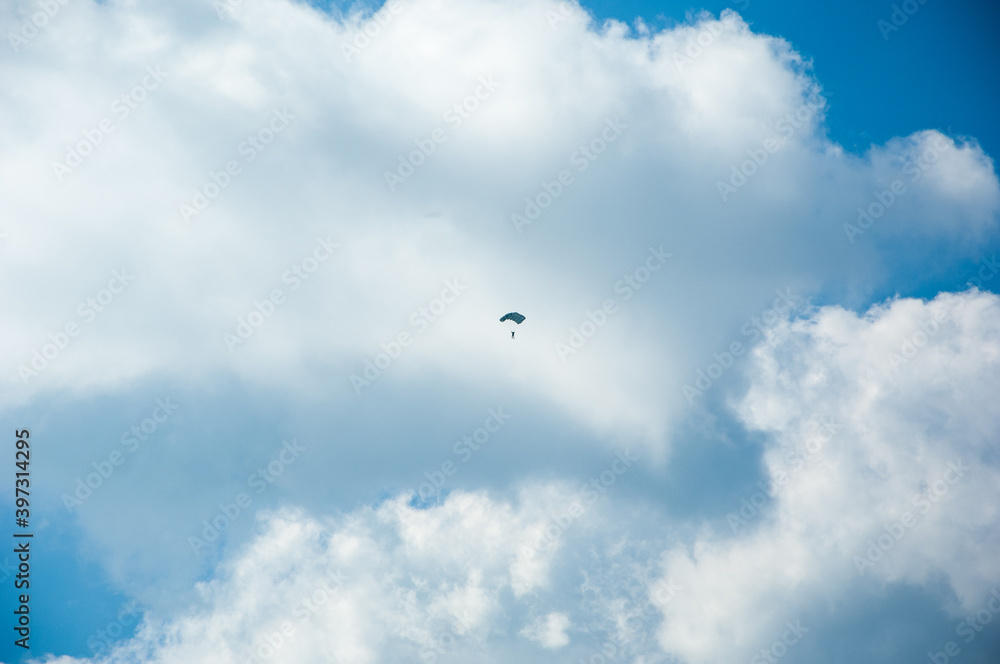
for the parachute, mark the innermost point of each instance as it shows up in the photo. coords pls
(514, 316)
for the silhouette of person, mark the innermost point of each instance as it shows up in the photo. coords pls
(512, 334)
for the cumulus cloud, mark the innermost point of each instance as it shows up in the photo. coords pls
(270, 198)
(392, 582)
(880, 468)
(694, 103)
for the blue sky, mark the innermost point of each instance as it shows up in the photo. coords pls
(880, 82)
(285, 248)
(928, 74)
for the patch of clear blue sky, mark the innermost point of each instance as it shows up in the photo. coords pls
(74, 611)
(938, 71)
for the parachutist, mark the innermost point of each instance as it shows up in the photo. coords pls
(514, 316)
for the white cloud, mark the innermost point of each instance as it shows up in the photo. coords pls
(419, 580)
(449, 581)
(376, 584)
(549, 631)
(688, 125)
(902, 491)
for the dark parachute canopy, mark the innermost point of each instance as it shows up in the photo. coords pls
(514, 316)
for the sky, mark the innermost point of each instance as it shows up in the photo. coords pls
(254, 256)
